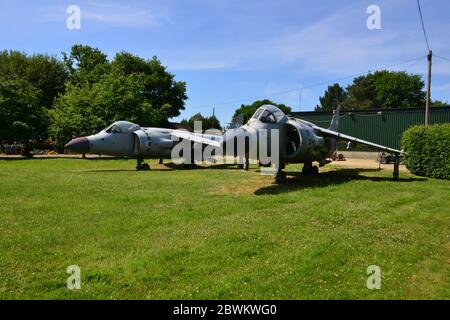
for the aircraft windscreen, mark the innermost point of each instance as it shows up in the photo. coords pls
(108, 127)
(133, 127)
(257, 113)
(122, 127)
(267, 117)
(114, 129)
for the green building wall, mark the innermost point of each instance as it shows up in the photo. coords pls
(382, 126)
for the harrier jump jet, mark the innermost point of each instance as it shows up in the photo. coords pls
(296, 141)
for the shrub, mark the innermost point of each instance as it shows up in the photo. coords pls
(428, 150)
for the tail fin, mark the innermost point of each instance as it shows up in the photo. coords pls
(334, 125)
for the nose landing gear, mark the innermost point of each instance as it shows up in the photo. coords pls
(246, 164)
(310, 170)
(142, 166)
(280, 176)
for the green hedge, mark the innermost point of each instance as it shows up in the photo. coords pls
(428, 150)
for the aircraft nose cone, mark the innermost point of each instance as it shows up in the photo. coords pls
(78, 145)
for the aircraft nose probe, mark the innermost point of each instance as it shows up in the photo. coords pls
(78, 145)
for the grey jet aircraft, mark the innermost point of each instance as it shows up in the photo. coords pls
(299, 141)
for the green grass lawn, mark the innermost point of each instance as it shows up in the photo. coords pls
(219, 233)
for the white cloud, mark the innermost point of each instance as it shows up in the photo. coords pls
(109, 14)
(120, 15)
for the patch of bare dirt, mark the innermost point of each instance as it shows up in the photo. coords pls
(366, 163)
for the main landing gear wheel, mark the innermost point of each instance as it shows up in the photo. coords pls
(245, 165)
(309, 170)
(280, 177)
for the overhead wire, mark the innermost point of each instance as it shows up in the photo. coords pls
(423, 25)
(441, 57)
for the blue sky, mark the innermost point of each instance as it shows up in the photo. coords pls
(231, 52)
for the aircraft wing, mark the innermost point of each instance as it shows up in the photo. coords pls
(340, 136)
(207, 139)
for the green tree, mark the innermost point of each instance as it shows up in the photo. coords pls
(398, 89)
(361, 94)
(74, 114)
(49, 75)
(247, 110)
(438, 103)
(28, 87)
(86, 64)
(207, 122)
(19, 104)
(385, 89)
(332, 98)
(165, 95)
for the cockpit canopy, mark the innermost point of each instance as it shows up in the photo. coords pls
(122, 127)
(269, 114)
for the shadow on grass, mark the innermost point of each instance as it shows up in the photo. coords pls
(108, 170)
(69, 157)
(172, 166)
(169, 165)
(324, 179)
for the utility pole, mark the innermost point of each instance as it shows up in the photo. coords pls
(212, 122)
(427, 103)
